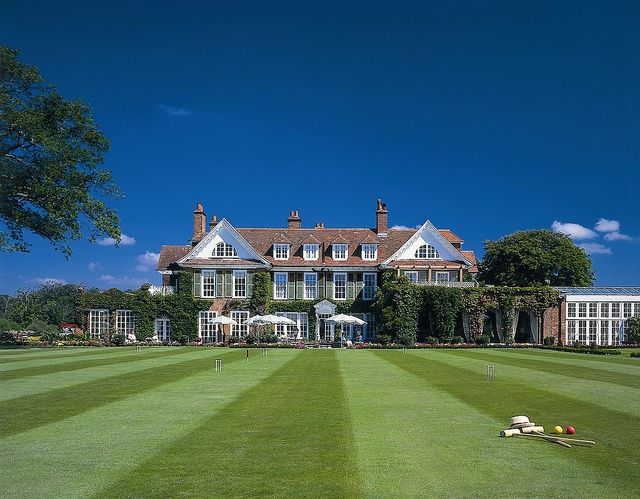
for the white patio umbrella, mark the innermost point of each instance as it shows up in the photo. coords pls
(222, 320)
(346, 319)
(277, 319)
(255, 320)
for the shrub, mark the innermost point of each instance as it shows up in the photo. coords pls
(118, 339)
(485, 339)
(7, 338)
(431, 340)
(549, 340)
(456, 340)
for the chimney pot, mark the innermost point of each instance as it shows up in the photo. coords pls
(381, 218)
(213, 222)
(293, 222)
(199, 224)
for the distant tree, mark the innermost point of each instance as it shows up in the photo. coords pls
(50, 149)
(632, 330)
(52, 303)
(535, 258)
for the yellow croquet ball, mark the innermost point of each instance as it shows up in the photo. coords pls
(558, 429)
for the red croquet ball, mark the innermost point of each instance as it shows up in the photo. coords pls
(570, 430)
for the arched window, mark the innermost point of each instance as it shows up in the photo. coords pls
(427, 252)
(224, 250)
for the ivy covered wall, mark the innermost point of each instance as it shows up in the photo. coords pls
(401, 306)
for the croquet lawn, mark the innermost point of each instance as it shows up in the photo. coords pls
(337, 423)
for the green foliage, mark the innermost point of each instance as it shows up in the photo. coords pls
(535, 258)
(632, 330)
(444, 305)
(9, 325)
(50, 149)
(181, 308)
(52, 303)
(262, 292)
(42, 329)
(398, 304)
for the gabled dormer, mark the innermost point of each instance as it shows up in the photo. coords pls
(428, 244)
(311, 248)
(222, 242)
(281, 247)
(340, 248)
(369, 248)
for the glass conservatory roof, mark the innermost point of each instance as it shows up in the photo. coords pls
(604, 290)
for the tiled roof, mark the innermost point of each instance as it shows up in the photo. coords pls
(169, 254)
(450, 236)
(471, 256)
(261, 240)
(224, 262)
(434, 264)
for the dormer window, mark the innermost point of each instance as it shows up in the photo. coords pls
(310, 251)
(369, 251)
(281, 251)
(427, 252)
(224, 250)
(340, 251)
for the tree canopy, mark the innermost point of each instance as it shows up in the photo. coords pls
(535, 258)
(50, 152)
(632, 330)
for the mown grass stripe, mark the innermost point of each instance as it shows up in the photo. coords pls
(289, 436)
(415, 440)
(82, 455)
(572, 371)
(34, 354)
(31, 411)
(74, 365)
(507, 397)
(608, 362)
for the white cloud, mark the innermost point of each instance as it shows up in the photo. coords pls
(124, 241)
(404, 227)
(48, 280)
(147, 261)
(604, 225)
(174, 111)
(574, 231)
(595, 249)
(130, 282)
(94, 266)
(617, 236)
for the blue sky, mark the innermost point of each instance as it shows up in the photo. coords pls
(483, 117)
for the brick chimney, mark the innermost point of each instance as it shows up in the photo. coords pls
(381, 218)
(199, 224)
(294, 221)
(213, 222)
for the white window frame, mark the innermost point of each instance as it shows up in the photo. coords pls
(427, 252)
(369, 292)
(369, 252)
(236, 275)
(208, 281)
(241, 329)
(162, 328)
(335, 287)
(410, 273)
(285, 295)
(125, 322)
(310, 291)
(98, 322)
(338, 249)
(228, 251)
(281, 251)
(440, 280)
(572, 309)
(211, 330)
(309, 250)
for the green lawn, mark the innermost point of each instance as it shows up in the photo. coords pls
(335, 423)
